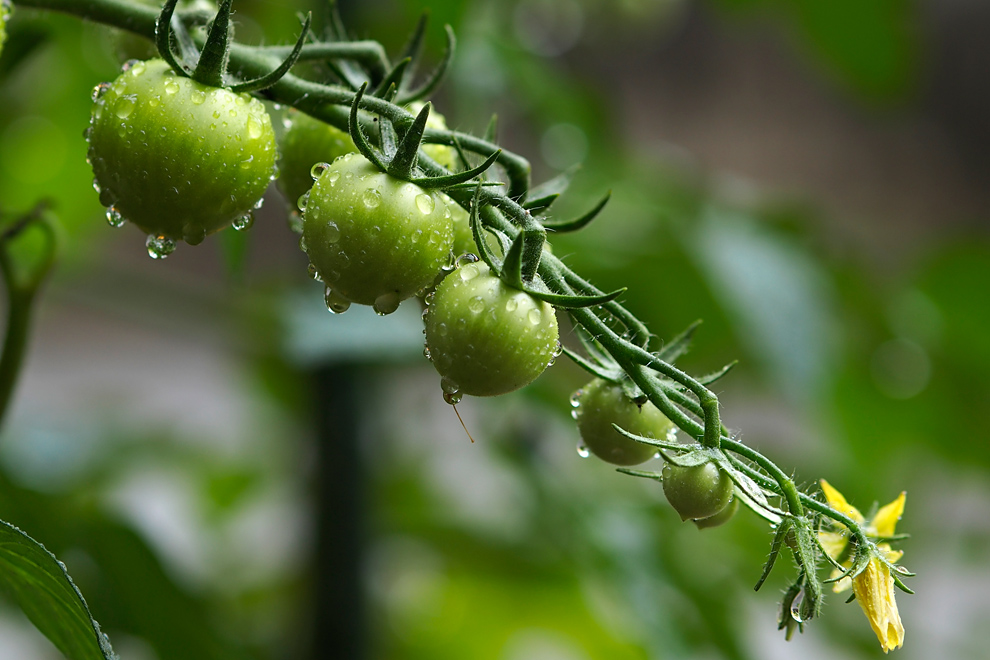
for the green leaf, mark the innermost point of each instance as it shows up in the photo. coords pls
(42, 588)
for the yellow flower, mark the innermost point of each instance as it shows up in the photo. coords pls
(874, 586)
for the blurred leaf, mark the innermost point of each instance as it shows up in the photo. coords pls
(870, 44)
(41, 586)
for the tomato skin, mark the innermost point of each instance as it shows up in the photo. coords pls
(720, 518)
(485, 338)
(373, 239)
(699, 491)
(177, 158)
(601, 404)
(306, 142)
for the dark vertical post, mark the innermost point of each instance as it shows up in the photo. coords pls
(339, 617)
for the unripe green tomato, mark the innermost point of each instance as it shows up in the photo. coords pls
(699, 491)
(443, 154)
(601, 404)
(486, 338)
(720, 518)
(306, 142)
(177, 158)
(373, 239)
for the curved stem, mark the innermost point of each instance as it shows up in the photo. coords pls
(14, 342)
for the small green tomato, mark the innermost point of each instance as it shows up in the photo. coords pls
(373, 239)
(720, 518)
(600, 404)
(699, 491)
(306, 142)
(486, 338)
(179, 159)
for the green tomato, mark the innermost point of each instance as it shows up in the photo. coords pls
(371, 238)
(600, 404)
(178, 159)
(306, 142)
(720, 518)
(486, 338)
(699, 491)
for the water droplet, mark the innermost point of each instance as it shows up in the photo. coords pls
(426, 353)
(796, 606)
(371, 198)
(425, 203)
(465, 259)
(336, 302)
(259, 203)
(583, 451)
(303, 201)
(96, 186)
(317, 170)
(114, 218)
(511, 304)
(171, 86)
(254, 127)
(159, 246)
(557, 350)
(331, 233)
(198, 97)
(386, 303)
(576, 399)
(534, 316)
(136, 67)
(124, 106)
(194, 233)
(107, 198)
(314, 273)
(100, 90)
(469, 272)
(244, 222)
(476, 304)
(246, 163)
(332, 177)
(442, 329)
(429, 298)
(453, 398)
(154, 101)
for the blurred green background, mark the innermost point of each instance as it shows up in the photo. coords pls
(809, 178)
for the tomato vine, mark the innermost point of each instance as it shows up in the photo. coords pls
(373, 97)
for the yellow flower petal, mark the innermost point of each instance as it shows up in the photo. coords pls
(887, 517)
(840, 585)
(839, 503)
(833, 543)
(874, 589)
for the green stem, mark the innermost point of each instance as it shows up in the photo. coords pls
(789, 489)
(14, 343)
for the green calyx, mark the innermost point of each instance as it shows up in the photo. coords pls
(399, 153)
(210, 65)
